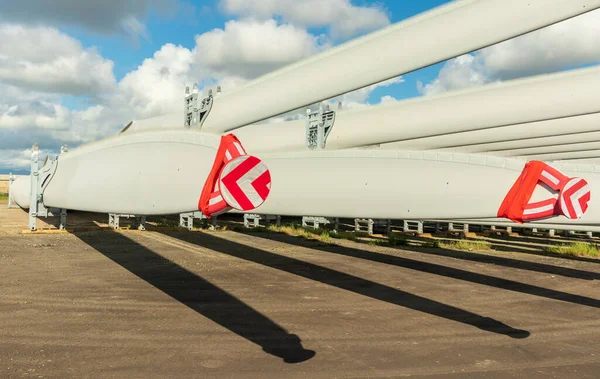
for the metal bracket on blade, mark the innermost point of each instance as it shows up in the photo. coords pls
(196, 110)
(40, 178)
(11, 202)
(318, 126)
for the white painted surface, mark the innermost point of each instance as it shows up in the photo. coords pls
(142, 173)
(583, 154)
(543, 133)
(20, 190)
(553, 149)
(440, 34)
(544, 97)
(128, 175)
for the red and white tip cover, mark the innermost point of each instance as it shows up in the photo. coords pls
(574, 195)
(236, 181)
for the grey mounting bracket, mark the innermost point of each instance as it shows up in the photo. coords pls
(40, 178)
(318, 126)
(114, 221)
(195, 110)
(11, 203)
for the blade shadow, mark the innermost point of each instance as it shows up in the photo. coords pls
(347, 282)
(200, 295)
(436, 269)
(514, 263)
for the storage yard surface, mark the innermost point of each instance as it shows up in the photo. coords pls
(178, 304)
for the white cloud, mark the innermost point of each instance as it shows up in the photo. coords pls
(51, 64)
(462, 72)
(157, 85)
(571, 43)
(99, 16)
(360, 97)
(44, 59)
(341, 16)
(249, 48)
(38, 114)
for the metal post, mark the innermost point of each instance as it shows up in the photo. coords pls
(140, 222)
(33, 200)
(63, 219)
(113, 221)
(420, 227)
(11, 179)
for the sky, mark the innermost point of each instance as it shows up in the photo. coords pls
(73, 71)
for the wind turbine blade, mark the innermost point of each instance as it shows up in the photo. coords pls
(542, 133)
(534, 99)
(566, 156)
(445, 32)
(552, 149)
(352, 183)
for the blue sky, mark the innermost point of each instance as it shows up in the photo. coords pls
(207, 15)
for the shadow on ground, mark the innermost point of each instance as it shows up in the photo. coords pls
(199, 294)
(347, 282)
(456, 273)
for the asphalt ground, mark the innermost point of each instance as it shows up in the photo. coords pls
(179, 304)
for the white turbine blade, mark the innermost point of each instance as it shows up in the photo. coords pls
(445, 32)
(543, 133)
(108, 177)
(553, 149)
(20, 190)
(540, 98)
(583, 154)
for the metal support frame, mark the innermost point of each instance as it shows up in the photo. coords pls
(463, 229)
(186, 220)
(196, 110)
(318, 126)
(359, 222)
(114, 221)
(315, 222)
(140, 223)
(11, 179)
(406, 226)
(253, 220)
(507, 229)
(384, 224)
(40, 177)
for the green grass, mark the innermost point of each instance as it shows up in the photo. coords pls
(3, 196)
(464, 245)
(576, 249)
(345, 236)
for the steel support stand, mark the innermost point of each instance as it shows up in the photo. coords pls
(114, 220)
(11, 179)
(315, 222)
(140, 223)
(358, 222)
(33, 200)
(253, 220)
(186, 220)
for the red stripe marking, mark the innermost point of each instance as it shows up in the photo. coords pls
(230, 181)
(584, 200)
(562, 179)
(569, 203)
(261, 184)
(539, 204)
